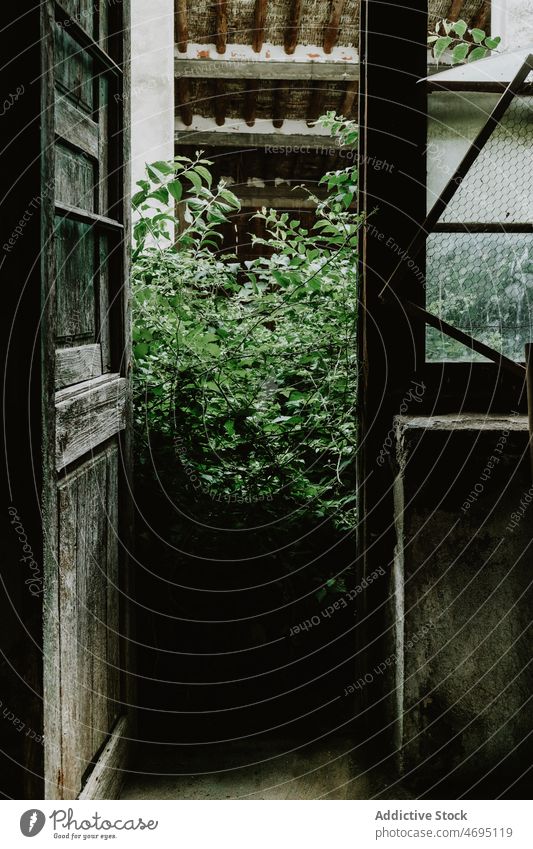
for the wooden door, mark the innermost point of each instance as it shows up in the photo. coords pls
(86, 365)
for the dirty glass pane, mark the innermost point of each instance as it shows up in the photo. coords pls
(483, 284)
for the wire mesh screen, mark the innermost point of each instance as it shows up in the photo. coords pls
(482, 282)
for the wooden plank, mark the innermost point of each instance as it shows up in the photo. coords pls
(74, 365)
(181, 31)
(235, 69)
(260, 138)
(107, 776)
(87, 415)
(221, 25)
(260, 13)
(65, 212)
(76, 127)
(331, 32)
(293, 26)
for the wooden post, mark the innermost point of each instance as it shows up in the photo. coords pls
(529, 383)
(250, 101)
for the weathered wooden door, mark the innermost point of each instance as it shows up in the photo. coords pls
(86, 399)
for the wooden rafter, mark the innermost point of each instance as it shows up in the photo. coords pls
(184, 101)
(455, 10)
(331, 32)
(278, 106)
(260, 14)
(482, 17)
(316, 103)
(250, 101)
(221, 26)
(219, 102)
(293, 26)
(181, 29)
(348, 99)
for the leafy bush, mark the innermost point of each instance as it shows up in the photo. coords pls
(246, 375)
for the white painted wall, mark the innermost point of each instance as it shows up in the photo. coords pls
(152, 83)
(513, 21)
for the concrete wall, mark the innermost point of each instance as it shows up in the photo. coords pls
(463, 602)
(152, 83)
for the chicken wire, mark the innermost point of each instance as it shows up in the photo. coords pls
(482, 283)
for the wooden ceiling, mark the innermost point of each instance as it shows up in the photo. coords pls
(273, 65)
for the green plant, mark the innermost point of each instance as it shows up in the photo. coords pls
(464, 43)
(248, 372)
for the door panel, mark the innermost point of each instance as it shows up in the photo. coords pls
(87, 356)
(88, 601)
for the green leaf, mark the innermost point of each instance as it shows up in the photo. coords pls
(160, 195)
(154, 176)
(229, 427)
(459, 53)
(205, 174)
(195, 179)
(478, 35)
(176, 189)
(164, 167)
(460, 27)
(492, 42)
(478, 53)
(441, 45)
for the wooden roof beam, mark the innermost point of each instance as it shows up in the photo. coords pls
(251, 69)
(221, 25)
(260, 138)
(260, 14)
(331, 33)
(293, 26)
(181, 29)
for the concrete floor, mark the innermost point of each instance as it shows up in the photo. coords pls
(321, 770)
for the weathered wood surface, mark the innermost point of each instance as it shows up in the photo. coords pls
(107, 776)
(221, 37)
(75, 178)
(74, 70)
(181, 31)
(74, 365)
(75, 272)
(87, 308)
(87, 415)
(331, 32)
(233, 69)
(293, 26)
(76, 126)
(259, 138)
(87, 586)
(260, 13)
(250, 101)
